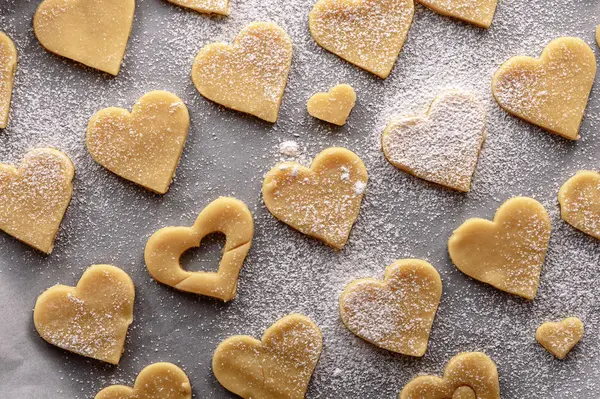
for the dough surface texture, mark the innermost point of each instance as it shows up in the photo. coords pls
(334, 106)
(476, 12)
(8, 68)
(559, 338)
(579, 200)
(205, 6)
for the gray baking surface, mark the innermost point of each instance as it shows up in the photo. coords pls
(227, 153)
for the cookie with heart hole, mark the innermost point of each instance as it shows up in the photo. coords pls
(279, 366)
(366, 33)
(477, 12)
(334, 106)
(8, 68)
(559, 338)
(442, 146)
(92, 32)
(579, 200)
(552, 91)
(205, 6)
(90, 319)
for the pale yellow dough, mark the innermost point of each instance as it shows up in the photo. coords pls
(157, 381)
(251, 74)
(143, 146)
(559, 338)
(598, 35)
(277, 367)
(322, 201)
(334, 106)
(552, 91)
(366, 33)
(507, 253)
(8, 67)
(579, 200)
(469, 375)
(476, 12)
(397, 313)
(205, 6)
(90, 319)
(165, 247)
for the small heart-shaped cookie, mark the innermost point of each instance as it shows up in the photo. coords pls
(90, 319)
(93, 32)
(470, 375)
(551, 92)
(507, 253)
(579, 200)
(333, 106)
(366, 33)
(251, 74)
(277, 367)
(205, 6)
(476, 12)
(143, 146)
(165, 247)
(35, 197)
(323, 201)
(157, 381)
(443, 146)
(8, 67)
(559, 338)
(395, 314)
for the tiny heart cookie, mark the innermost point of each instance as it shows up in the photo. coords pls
(277, 367)
(551, 92)
(476, 12)
(323, 201)
(93, 32)
(559, 338)
(470, 375)
(366, 33)
(8, 67)
(90, 319)
(143, 146)
(165, 247)
(443, 146)
(333, 106)
(579, 200)
(157, 381)
(205, 6)
(507, 253)
(250, 75)
(396, 314)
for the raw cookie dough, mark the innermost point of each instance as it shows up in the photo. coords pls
(165, 247)
(90, 319)
(8, 67)
(476, 12)
(143, 146)
(598, 35)
(552, 91)
(333, 106)
(507, 253)
(157, 381)
(397, 313)
(559, 338)
(366, 33)
(323, 201)
(34, 197)
(251, 74)
(205, 6)
(277, 367)
(579, 200)
(442, 146)
(470, 375)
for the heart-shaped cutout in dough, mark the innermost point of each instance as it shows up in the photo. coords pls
(579, 200)
(8, 67)
(366, 33)
(322, 201)
(35, 197)
(469, 375)
(507, 253)
(279, 366)
(90, 319)
(552, 91)
(251, 74)
(92, 32)
(559, 338)
(395, 314)
(165, 247)
(205, 6)
(476, 12)
(333, 106)
(143, 146)
(443, 146)
(157, 381)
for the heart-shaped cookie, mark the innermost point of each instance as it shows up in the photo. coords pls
(322, 201)
(8, 67)
(143, 146)
(470, 375)
(333, 106)
(277, 367)
(579, 200)
(552, 91)
(507, 253)
(251, 74)
(476, 12)
(443, 146)
(165, 247)
(205, 6)
(395, 314)
(559, 338)
(93, 32)
(90, 319)
(157, 381)
(34, 197)
(366, 33)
